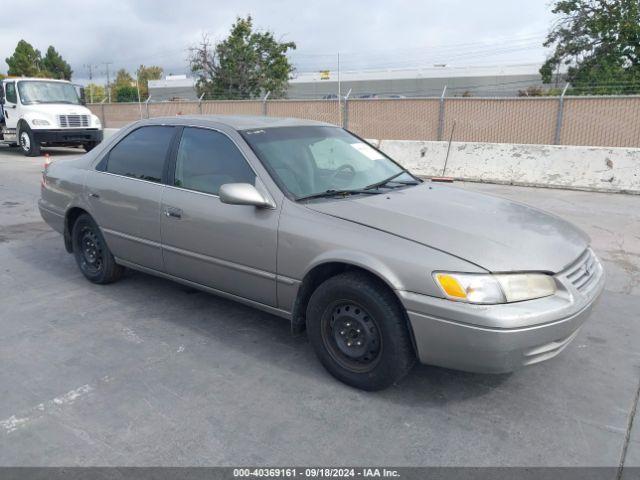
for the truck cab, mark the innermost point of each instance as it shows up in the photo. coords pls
(36, 112)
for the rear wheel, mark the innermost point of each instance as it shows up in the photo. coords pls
(359, 331)
(27, 142)
(91, 252)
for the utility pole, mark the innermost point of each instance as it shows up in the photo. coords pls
(90, 68)
(106, 64)
(339, 92)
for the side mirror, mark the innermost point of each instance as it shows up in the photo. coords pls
(243, 194)
(81, 94)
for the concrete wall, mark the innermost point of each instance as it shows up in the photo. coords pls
(582, 168)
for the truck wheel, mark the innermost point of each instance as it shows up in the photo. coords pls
(359, 331)
(89, 146)
(27, 142)
(92, 255)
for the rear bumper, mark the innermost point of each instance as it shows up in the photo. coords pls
(54, 219)
(68, 136)
(498, 338)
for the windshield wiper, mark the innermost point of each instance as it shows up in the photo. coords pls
(333, 193)
(384, 182)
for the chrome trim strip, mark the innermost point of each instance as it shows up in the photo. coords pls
(252, 303)
(132, 238)
(287, 280)
(222, 263)
(160, 184)
(182, 189)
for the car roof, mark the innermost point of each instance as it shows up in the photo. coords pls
(236, 122)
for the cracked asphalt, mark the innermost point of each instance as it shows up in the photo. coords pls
(146, 372)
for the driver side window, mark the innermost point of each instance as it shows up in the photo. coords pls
(207, 159)
(11, 93)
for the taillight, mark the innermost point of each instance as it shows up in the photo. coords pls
(47, 162)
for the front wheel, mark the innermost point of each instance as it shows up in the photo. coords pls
(89, 146)
(27, 141)
(91, 252)
(359, 331)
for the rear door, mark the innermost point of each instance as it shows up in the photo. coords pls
(231, 248)
(125, 192)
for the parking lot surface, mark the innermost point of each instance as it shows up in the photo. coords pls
(148, 372)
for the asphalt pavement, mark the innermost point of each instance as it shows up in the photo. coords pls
(147, 372)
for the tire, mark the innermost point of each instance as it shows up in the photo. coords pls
(91, 252)
(89, 146)
(27, 142)
(353, 307)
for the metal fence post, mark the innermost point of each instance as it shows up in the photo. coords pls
(104, 118)
(264, 104)
(441, 114)
(146, 105)
(559, 119)
(345, 116)
(200, 103)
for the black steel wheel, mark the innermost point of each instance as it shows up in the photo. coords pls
(91, 259)
(359, 331)
(351, 336)
(91, 252)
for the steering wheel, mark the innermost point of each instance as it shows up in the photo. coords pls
(343, 174)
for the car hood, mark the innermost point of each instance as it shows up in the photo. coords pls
(496, 234)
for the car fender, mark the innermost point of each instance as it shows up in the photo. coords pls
(361, 260)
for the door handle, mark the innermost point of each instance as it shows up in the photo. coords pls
(173, 212)
(94, 195)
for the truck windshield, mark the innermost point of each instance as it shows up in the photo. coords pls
(37, 91)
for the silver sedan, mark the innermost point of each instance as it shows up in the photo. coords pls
(309, 222)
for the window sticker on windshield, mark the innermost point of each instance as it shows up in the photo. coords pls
(368, 151)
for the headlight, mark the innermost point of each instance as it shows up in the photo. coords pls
(96, 121)
(40, 121)
(498, 288)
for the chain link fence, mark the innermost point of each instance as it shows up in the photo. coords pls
(589, 121)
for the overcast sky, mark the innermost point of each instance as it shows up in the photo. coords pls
(368, 34)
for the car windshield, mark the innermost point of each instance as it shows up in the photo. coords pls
(317, 160)
(36, 91)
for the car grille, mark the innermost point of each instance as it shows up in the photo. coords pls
(585, 271)
(73, 121)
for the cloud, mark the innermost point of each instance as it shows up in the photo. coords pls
(369, 34)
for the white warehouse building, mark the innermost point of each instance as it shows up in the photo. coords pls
(477, 81)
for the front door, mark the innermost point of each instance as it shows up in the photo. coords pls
(11, 113)
(231, 248)
(125, 192)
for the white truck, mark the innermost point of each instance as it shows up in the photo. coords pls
(36, 112)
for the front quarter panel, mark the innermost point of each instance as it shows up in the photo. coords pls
(308, 238)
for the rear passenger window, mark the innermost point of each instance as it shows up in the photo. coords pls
(207, 159)
(141, 154)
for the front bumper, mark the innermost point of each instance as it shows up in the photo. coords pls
(68, 136)
(500, 338)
